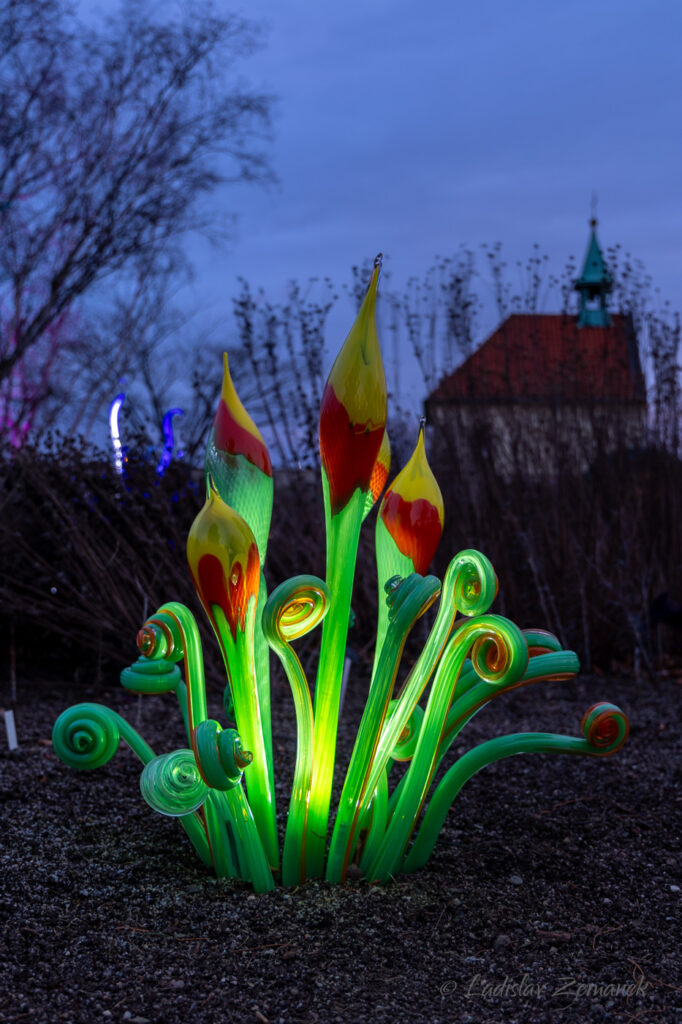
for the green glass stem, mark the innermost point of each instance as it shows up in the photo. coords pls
(235, 844)
(293, 854)
(177, 620)
(467, 766)
(541, 640)
(180, 692)
(390, 562)
(468, 587)
(147, 676)
(378, 810)
(343, 532)
(500, 651)
(248, 840)
(409, 600)
(218, 823)
(238, 653)
(293, 609)
(262, 660)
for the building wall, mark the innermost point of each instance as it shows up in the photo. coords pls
(531, 441)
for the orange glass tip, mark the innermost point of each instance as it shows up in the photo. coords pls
(381, 468)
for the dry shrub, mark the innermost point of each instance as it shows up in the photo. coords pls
(88, 554)
(582, 552)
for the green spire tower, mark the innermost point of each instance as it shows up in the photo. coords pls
(594, 285)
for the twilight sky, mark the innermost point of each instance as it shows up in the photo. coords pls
(418, 127)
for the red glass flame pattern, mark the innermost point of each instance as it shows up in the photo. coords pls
(415, 526)
(232, 437)
(349, 450)
(230, 592)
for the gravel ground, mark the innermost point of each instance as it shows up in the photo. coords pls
(554, 892)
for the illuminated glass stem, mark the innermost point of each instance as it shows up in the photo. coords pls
(239, 662)
(343, 532)
(180, 692)
(467, 766)
(347, 818)
(414, 685)
(468, 586)
(419, 593)
(420, 772)
(235, 844)
(473, 693)
(293, 609)
(378, 810)
(217, 824)
(293, 856)
(262, 658)
(390, 562)
(249, 841)
(183, 625)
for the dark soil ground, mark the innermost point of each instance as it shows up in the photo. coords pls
(554, 892)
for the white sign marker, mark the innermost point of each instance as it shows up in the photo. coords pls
(11, 730)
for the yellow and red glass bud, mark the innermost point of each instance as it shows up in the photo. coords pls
(224, 563)
(412, 510)
(353, 408)
(233, 429)
(238, 462)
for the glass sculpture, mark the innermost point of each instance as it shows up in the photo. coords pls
(221, 787)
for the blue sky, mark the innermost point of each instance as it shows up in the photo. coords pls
(419, 128)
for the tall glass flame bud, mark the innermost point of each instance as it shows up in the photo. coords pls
(238, 464)
(352, 427)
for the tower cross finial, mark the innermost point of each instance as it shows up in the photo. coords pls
(593, 210)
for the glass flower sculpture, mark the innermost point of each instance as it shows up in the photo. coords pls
(221, 786)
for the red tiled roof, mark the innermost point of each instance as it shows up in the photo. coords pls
(538, 357)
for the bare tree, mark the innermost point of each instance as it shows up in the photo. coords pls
(111, 140)
(284, 345)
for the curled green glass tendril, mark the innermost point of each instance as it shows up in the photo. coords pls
(604, 729)
(172, 784)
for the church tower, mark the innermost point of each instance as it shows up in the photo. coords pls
(594, 285)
